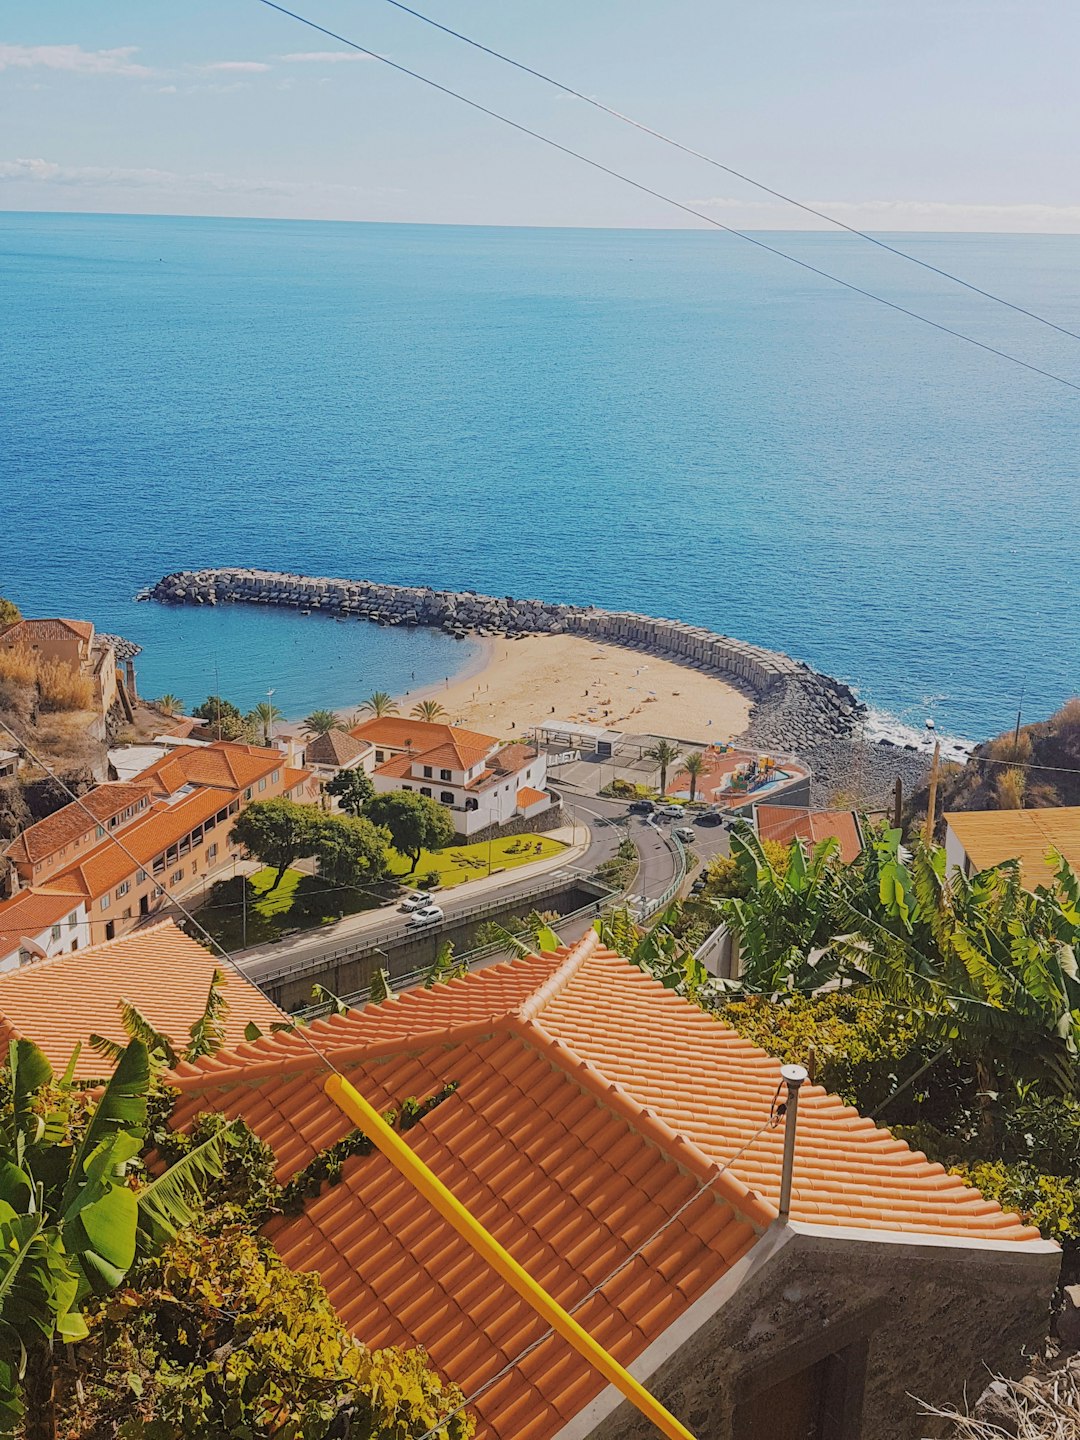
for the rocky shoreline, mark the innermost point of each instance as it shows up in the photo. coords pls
(795, 707)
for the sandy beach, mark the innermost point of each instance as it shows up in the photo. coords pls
(568, 677)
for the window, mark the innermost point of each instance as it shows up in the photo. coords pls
(472, 804)
(105, 899)
(73, 919)
(140, 879)
(211, 854)
(123, 888)
(159, 865)
(196, 836)
(262, 783)
(185, 845)
(425, 789)
(444, 774)
(176, 877)
(56, 932)
(172, 855)
(447, 797)
(379, 757)
(221, 816)
(427, 772)
(406, 787)
(275, 777)
(234, 807)
(100, 832)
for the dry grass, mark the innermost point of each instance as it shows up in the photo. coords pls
(19, 665)
(1018, 751)
(1042, 1405)
(62, 688)
(1009, 786)
(1066, 721)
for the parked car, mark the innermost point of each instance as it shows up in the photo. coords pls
(671, 812)
(711, 817)
(430, 915)
(641, 807)
(685, 833)
(416, 901)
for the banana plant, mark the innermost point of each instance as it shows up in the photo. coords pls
(207, 1034)
(73, 1216)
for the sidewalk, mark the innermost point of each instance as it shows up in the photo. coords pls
(309, 942)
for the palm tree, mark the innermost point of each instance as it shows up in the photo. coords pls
(264, 717)
(694, 766)
(321, 722)
(664, 753)
(170, 705)
(429, 710)
(380, 703)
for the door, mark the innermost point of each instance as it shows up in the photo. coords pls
(144, 905)
(110, 930)
(790, 1410)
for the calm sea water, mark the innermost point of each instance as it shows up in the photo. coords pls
(667, 421)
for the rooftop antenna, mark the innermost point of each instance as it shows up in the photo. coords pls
(794, 1076)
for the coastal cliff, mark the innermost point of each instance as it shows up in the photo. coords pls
(795, 707)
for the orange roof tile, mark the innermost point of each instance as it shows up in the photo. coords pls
(222, 762)
(160, 970)
(591, 1103)
(454, 755)
(39, 841)
(527, 796)
(30, 912)
(397, 733)
(785, 823)
(23, 632)
(991, 836)
(336, 747)
(165, 824)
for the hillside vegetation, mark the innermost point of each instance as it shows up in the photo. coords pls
(1037, 768)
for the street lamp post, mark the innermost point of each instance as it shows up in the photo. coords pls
(267, 728)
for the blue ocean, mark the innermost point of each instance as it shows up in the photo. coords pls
(667, 421)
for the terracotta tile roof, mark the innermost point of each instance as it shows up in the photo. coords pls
(160, 970)
(29, 913)
(785, 823)
(990, 836)
(591, 1103)
(223, 762)
(527, 796)
(291, 778)
(396, 768)
(107, 864)
(33, 632)
(453, 755)
(512, 758)
(67, 824)
(396, 733)
(336, 748)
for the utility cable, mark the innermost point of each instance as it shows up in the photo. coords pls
(670, 200)
(775, 1116)
(729, 169)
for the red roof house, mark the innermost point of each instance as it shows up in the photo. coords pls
(617, 1141)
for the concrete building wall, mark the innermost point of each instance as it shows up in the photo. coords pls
(955, 854)
(903, 1316)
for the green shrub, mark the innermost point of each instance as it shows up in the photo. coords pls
(1052, 1202)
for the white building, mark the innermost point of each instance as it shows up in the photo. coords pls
(481, 781)
(38, 925)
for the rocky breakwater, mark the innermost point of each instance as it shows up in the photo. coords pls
(795, 707)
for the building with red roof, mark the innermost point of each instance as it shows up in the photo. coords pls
(785, 823)
(623, 1146)
(483, 783)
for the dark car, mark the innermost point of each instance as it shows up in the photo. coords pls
(709, 817)
(641, 807)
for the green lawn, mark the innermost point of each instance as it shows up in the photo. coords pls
(301, 902)
(459, 863)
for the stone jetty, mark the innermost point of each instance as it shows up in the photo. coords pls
(796, 708)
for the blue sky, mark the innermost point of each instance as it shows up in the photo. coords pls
(918, 115)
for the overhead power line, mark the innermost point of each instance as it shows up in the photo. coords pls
(729, 169)
(644, 189)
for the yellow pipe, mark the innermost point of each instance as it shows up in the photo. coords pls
(384, 1138)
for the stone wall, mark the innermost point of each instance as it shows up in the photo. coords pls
(795, 706)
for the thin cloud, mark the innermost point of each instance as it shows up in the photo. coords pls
(73, 59)
(241, 67)
(322, 57)
(946, 215)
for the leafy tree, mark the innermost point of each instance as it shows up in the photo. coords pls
(349, 849)
(221, 1341)
(10, 614)
(665, 754)
(429, 710)
(415, 822)
(73, 1215)
(693, 765)
(224, 720)
(278, 833)
(381, 702)
(351, 788)
(170, 705)
(321, 722)
(262, 718)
